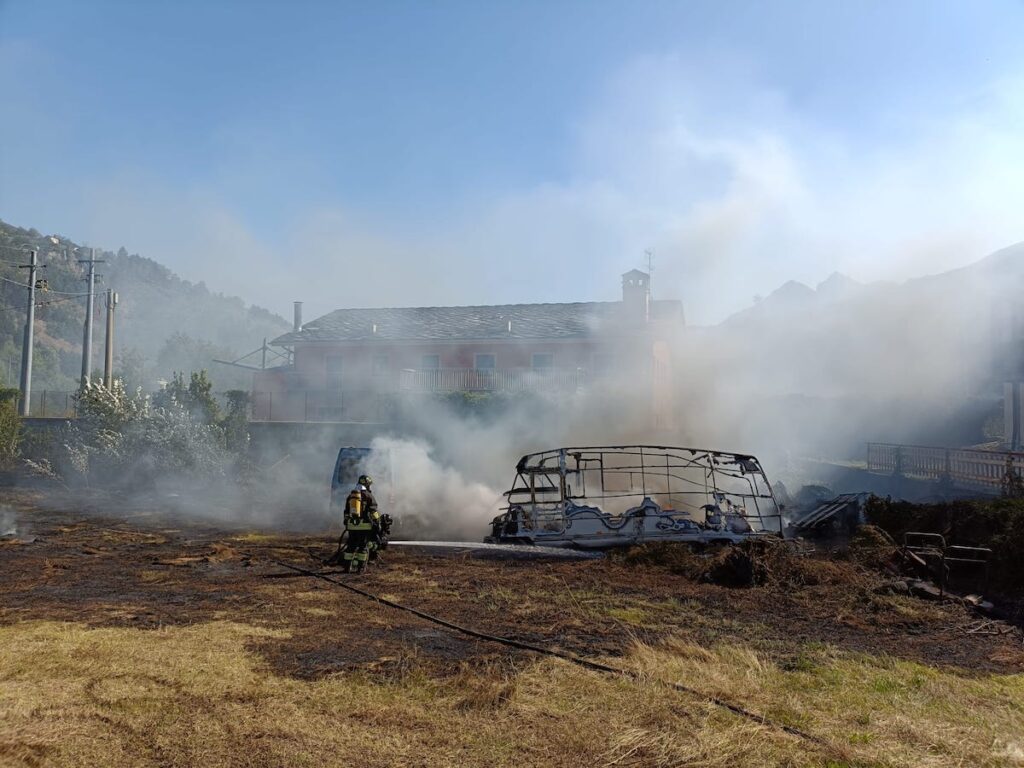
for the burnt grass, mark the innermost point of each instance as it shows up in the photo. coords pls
(140, 568)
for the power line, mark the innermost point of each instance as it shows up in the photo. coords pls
(65, 293)
(70, 294)
(58, 301)
(28, 248)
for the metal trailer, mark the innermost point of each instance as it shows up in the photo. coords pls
(609, 496)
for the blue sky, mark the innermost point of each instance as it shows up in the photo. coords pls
(473, 152)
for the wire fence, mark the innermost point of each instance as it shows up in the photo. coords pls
(51, 404)
(300, 405)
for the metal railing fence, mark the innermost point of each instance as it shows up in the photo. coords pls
(972, 468)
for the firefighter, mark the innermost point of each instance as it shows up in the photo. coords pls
(362, 523)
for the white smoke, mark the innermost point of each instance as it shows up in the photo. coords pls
(8, 522)
(426, 497)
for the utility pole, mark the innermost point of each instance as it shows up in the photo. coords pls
(108, 361)
(87, 334)
(26, 346)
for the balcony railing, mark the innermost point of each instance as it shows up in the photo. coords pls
(328, 405)
(495, 380)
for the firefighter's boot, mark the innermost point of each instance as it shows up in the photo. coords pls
(359, 561)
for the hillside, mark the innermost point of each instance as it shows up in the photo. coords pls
(164, 323)
(821, 369)
(952, 331)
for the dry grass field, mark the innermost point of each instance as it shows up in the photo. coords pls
(141, 640)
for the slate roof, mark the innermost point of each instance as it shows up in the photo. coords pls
(529, 321)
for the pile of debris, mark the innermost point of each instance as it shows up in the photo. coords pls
(748, 564)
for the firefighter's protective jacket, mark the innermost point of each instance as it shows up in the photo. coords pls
(361, 510)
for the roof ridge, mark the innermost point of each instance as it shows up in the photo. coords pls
(474, 306)
(549, 320)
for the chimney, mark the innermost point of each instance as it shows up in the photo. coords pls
(297, 324)
(636, 295)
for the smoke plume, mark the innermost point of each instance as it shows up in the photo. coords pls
(427, 498)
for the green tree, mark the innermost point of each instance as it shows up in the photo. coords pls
(202, 403)
(181, 352)
(236, 421)
(131, 368)
(119, 437)
(10, 363)
(10, 426)
(195, 397)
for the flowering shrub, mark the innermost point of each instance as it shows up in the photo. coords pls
(120, 436)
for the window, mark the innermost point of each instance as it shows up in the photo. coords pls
(542, 361)
(332, 366)
(484, 362)
(430, 362)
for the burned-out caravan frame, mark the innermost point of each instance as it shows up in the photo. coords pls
(606, 496)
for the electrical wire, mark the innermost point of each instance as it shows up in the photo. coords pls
(66, 293)
(69, 294)
(58, 301)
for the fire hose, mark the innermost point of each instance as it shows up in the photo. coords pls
(578, 660)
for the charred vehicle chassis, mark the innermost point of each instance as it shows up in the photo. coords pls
(608, 496)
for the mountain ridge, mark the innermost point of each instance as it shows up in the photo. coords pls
(793, 296)
(164, 322)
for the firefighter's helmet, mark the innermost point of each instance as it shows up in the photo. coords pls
(365, 480)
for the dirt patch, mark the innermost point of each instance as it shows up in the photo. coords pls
(146, 573)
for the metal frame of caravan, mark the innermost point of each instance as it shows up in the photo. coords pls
(563, 497)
